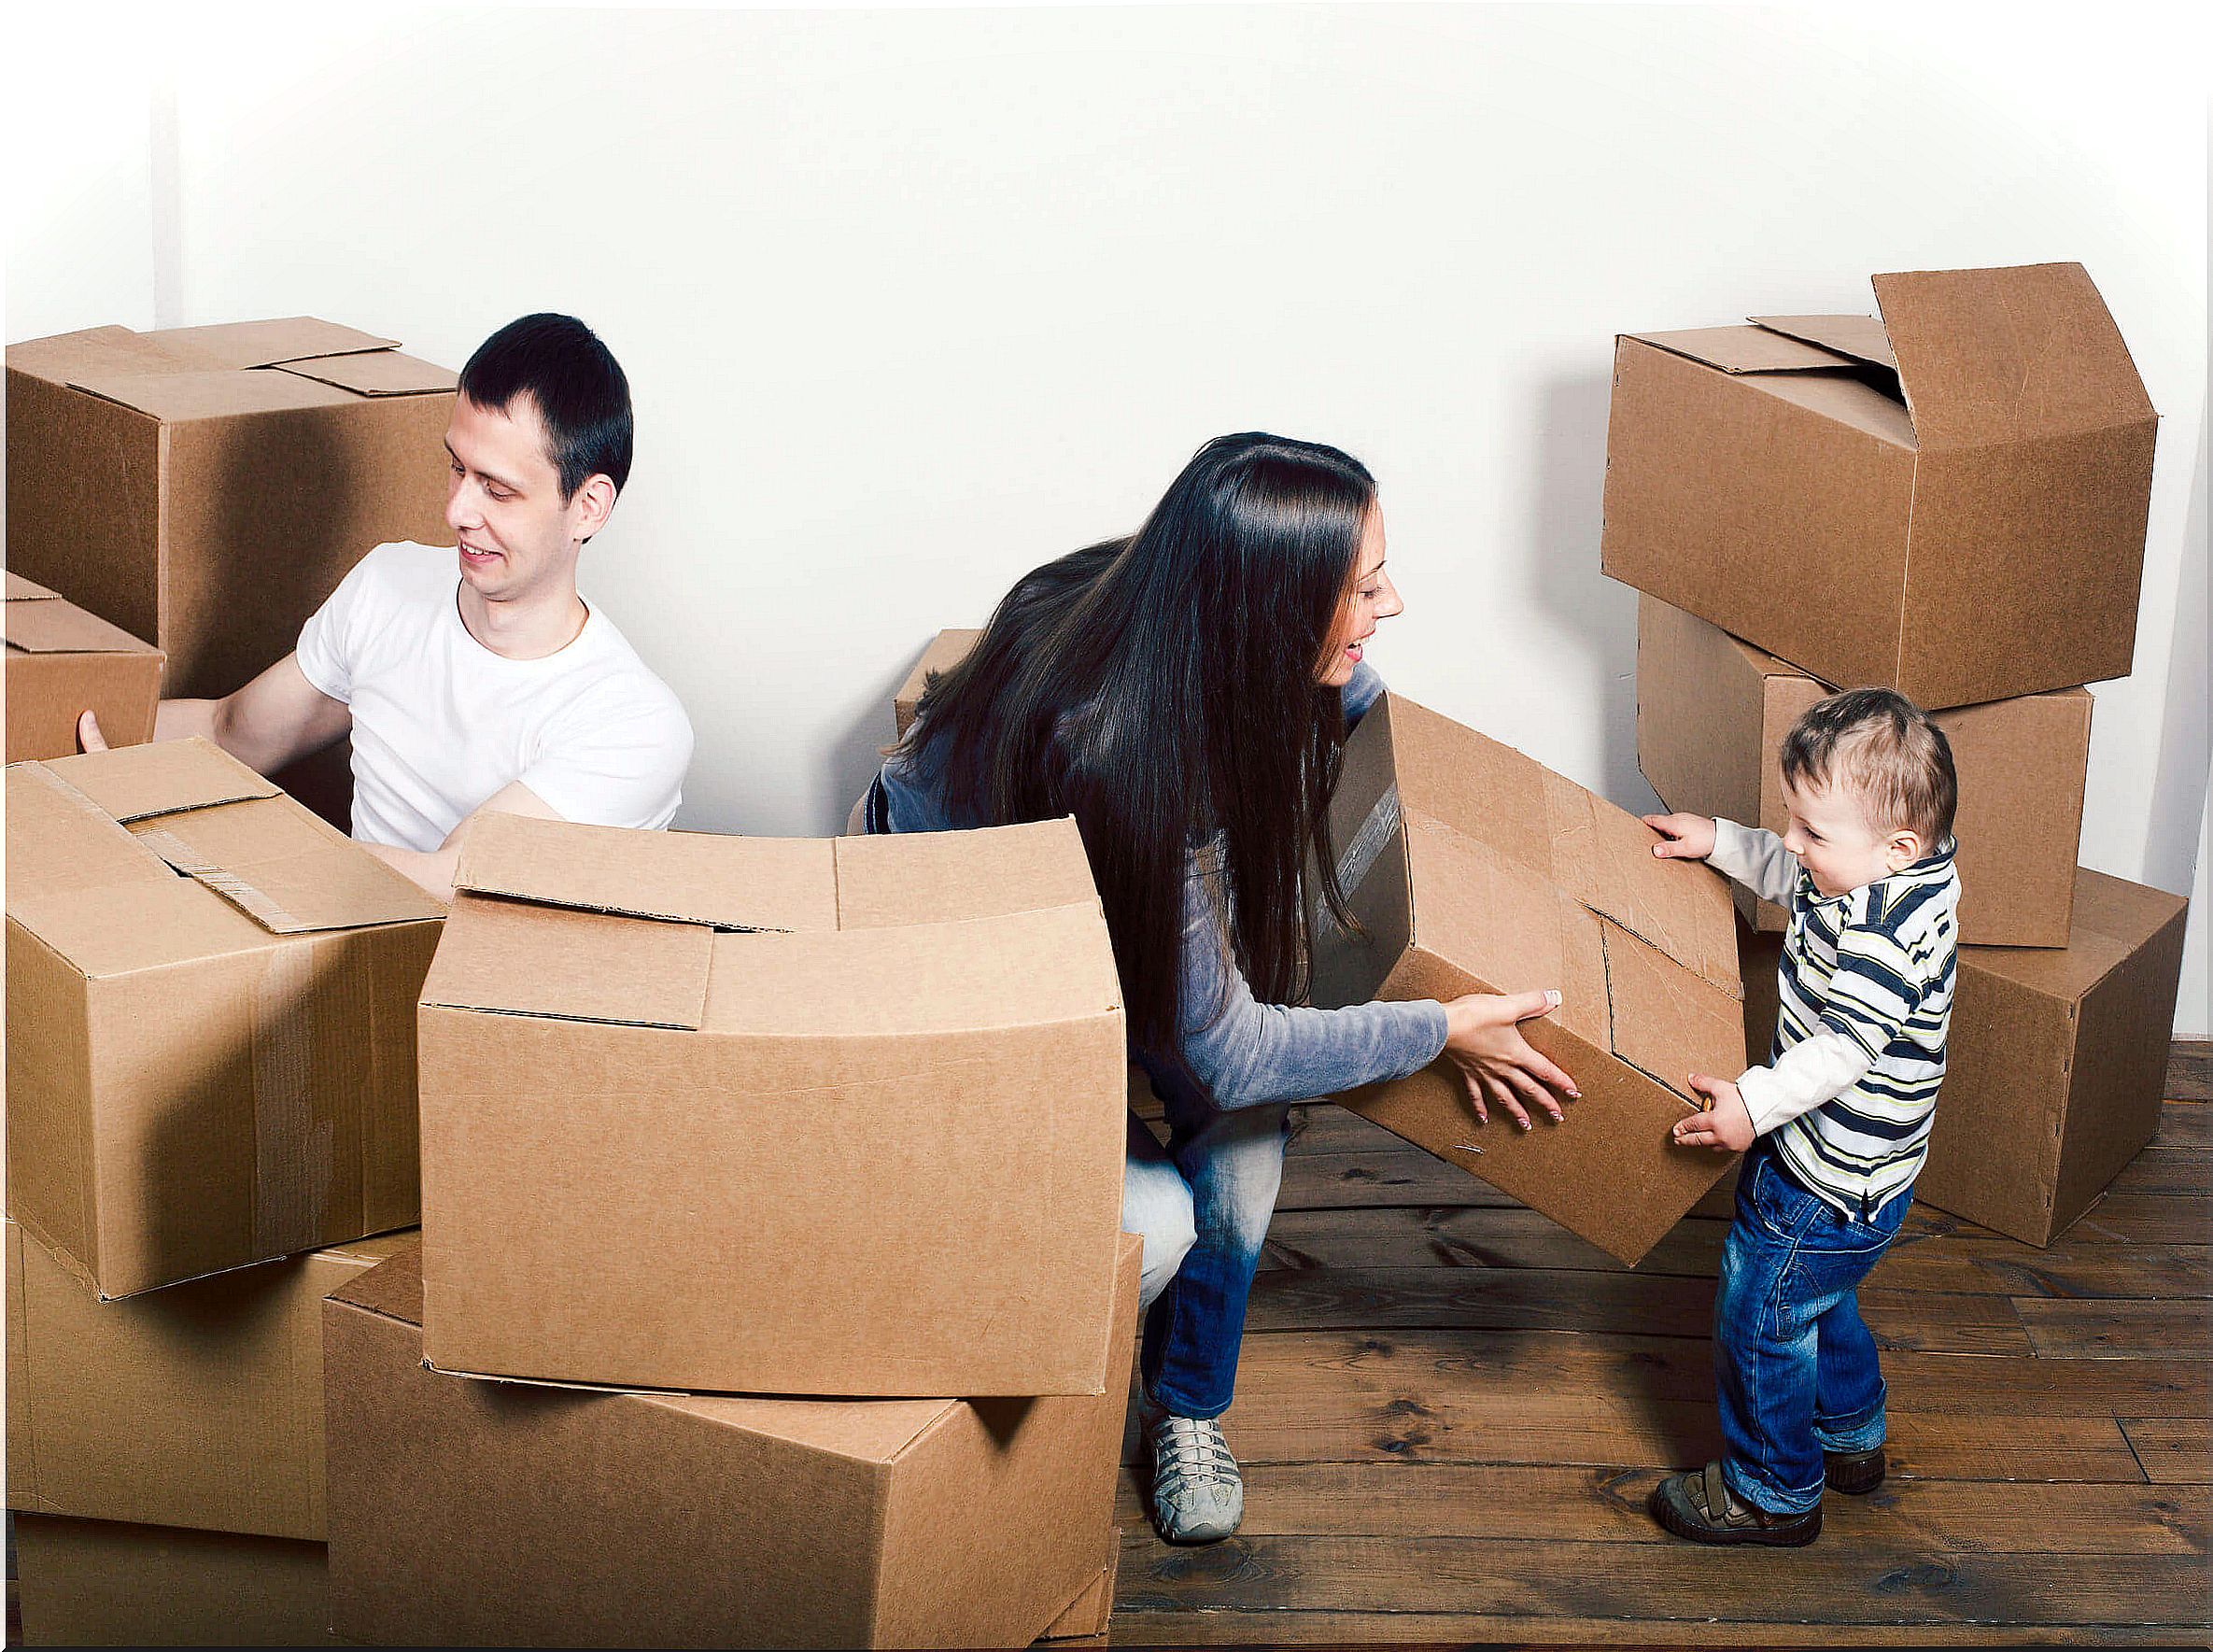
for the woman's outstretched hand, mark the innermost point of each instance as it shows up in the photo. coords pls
(1483, 1039)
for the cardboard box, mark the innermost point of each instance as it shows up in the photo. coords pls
(210, 997)
(1471, 868)
(1949, 501)
(945, 651)
(92, 1583)
(467, 1513)
(199, 1406)
(835, 1116)
(206, 488)
(63, 662)
(1712, 713)
(2056, 1064)
(1086, 1619)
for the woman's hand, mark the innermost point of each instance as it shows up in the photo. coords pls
(1483, 1039)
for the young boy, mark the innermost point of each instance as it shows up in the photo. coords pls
(1835, 1128)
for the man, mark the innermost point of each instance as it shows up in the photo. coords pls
(492, 686)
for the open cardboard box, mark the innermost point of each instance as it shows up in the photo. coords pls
(206, 488)
(63, 662)
(210, 1030)
(1471, 868)
(474, 1513)
(198, 1406)
(1712, 713)
(836, 1116)
(1949, 501)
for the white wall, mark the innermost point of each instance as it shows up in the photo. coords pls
(913, 300)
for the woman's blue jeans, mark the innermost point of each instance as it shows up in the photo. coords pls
(1203, 1205)
(1796, 1365)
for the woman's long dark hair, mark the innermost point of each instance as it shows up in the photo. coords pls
(1162, 689)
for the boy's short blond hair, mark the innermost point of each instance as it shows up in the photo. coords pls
(1883, 746)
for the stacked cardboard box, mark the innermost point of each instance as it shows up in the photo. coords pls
(61, 662)
(206, 488)
(1949, 499)
(739, 1155)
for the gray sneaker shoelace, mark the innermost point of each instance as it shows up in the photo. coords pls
(1189, 1454)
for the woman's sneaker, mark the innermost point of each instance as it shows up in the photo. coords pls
(1197, 1494)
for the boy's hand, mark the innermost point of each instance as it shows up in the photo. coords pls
(1685, 836)
(1725, 1126)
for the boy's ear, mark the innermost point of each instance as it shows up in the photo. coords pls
(1905, 848)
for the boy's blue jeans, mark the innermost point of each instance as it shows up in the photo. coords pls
(1203, 1205)
(1796, 1365)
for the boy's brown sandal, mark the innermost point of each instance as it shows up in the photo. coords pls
(1854, 1472)
(1697, 1505)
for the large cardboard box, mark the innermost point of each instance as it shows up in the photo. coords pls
(94, 1583)
(471, 1513)
(1712, 713)
(945, 651)
(1087, 1621)
(2056, 1064)
(199, 1406)
(206, 488)
(836, 1116)
(63, 662)
(1471, 868)
(210, 1019)
(1949, 501)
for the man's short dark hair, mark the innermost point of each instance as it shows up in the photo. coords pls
(574, 382)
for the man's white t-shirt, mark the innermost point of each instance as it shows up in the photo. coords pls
(441, 721)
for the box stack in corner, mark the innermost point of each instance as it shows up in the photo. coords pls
(1947, 499)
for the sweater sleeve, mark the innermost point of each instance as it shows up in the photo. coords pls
(1756, 859)
(1810, 1072)
(1246, 1054)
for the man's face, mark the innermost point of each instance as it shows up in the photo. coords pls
(503, 502)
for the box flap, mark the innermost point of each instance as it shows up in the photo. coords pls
(264, 344)
(940, 876)
(726, 882)
(1860, 337)
(284, 867)
(59, 359)
(1602, 856)
(1668, 1024)
(176, 397)
(137, 783)
(38, 622)
(375, 372)
(393, 1288)
(513, 958)
(60, 841)
(1992, 355)
(1745, 349)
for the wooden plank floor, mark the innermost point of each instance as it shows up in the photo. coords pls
(1450, 1412)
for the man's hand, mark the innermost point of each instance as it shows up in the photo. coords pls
(1682, 837)
(89, 738)
(1725, 1126)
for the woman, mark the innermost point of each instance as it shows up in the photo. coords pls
(1185, 695)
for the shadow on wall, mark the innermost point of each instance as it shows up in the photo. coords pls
(1602, 612)
(2179, 799)
(857, 752)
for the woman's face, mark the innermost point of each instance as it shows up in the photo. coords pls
(1372, 599)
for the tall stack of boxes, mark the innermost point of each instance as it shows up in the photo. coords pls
(1948, 499)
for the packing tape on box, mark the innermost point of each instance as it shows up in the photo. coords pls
(292, 1146)
(1359, 857)
(253, 903)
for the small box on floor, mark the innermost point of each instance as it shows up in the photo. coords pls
(95, 1583)
(62, 661)
(1471, 868)
(663, 1073)
(198, 1406)
(2056, 1066)
(1772, 478)
(466, 1512)
(210, 1019)
(1712, 713)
